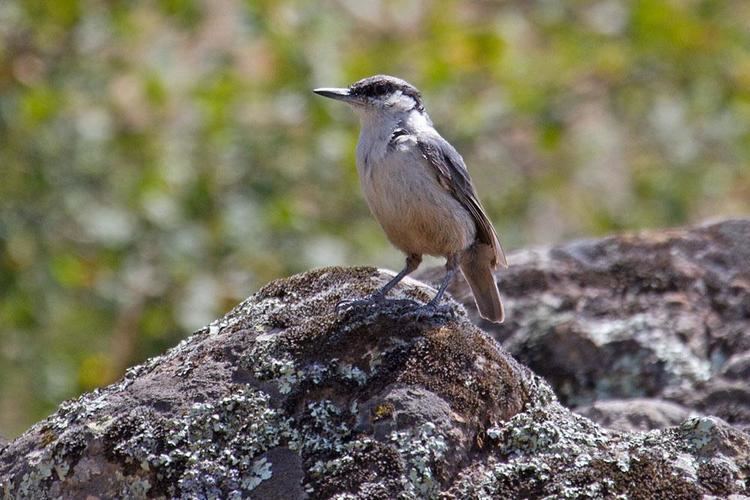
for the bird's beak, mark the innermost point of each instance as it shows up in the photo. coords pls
(338, 94)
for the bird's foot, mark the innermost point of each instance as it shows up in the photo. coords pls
(346, 304)
(375, 300)
(430, 309)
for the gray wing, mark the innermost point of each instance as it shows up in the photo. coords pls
(454, 177)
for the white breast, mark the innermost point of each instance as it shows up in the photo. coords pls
(401, 188)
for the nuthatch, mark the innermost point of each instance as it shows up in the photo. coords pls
(418, 188)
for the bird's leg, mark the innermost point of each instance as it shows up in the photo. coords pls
(412, 263)
(451, 266)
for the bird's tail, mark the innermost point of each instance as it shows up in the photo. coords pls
(476, 266)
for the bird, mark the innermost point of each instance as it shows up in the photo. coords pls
(419, 190)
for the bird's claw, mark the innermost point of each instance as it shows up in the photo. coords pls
(346, 304)
(375, 300)
(430, 309)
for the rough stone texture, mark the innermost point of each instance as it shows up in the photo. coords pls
(635, 414)
(635, 331)
(284, 398)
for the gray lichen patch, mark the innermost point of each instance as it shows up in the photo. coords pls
(423, 451)
(549, 452)
(212, 450)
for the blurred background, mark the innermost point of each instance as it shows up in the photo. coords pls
(161, 160)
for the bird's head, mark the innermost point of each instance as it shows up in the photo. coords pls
(377, 94)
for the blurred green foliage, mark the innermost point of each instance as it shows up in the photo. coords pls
(162, 160)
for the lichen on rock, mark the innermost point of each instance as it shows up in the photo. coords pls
(279, 395)
(284, 397)
(636, 331)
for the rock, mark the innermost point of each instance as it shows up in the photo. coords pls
(661, 316)
(548, 452)
(283, 398)
(637, 414)
(737, 367)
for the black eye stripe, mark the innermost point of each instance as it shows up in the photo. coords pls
(381, 85)
(375, 89)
